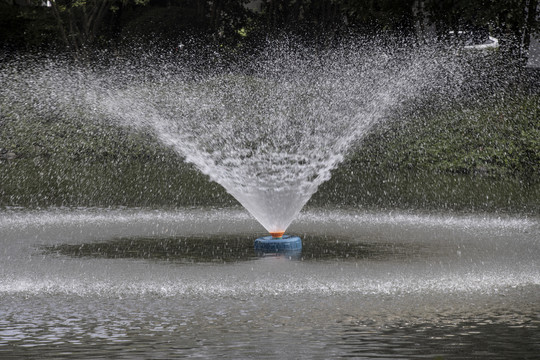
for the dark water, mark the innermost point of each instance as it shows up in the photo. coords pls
(276, 327)
(97, 283)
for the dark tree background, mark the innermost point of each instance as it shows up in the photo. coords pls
(80, 26)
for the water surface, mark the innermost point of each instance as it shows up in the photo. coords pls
(124, 283)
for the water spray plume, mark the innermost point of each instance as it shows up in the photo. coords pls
(269, 129)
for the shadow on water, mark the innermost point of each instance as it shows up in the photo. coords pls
(230, 248)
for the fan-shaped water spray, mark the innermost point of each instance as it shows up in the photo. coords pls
(270, 128)
(272, 131)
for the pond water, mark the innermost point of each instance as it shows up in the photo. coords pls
(139, 283)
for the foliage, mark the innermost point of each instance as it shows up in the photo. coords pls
(80, 21)
(498, 136)
(28, 28)
(217, 21)
(84, 24)
(66, 161)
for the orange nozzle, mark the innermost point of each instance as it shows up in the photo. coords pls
(277, 234)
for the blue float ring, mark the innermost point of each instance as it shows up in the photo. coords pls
(284, 244)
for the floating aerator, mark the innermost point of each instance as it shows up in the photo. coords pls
(278, 243)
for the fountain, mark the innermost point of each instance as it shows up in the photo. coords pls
(269, 128)
(89, 280)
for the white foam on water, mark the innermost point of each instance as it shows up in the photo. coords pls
(59, 217)
(489, 282)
